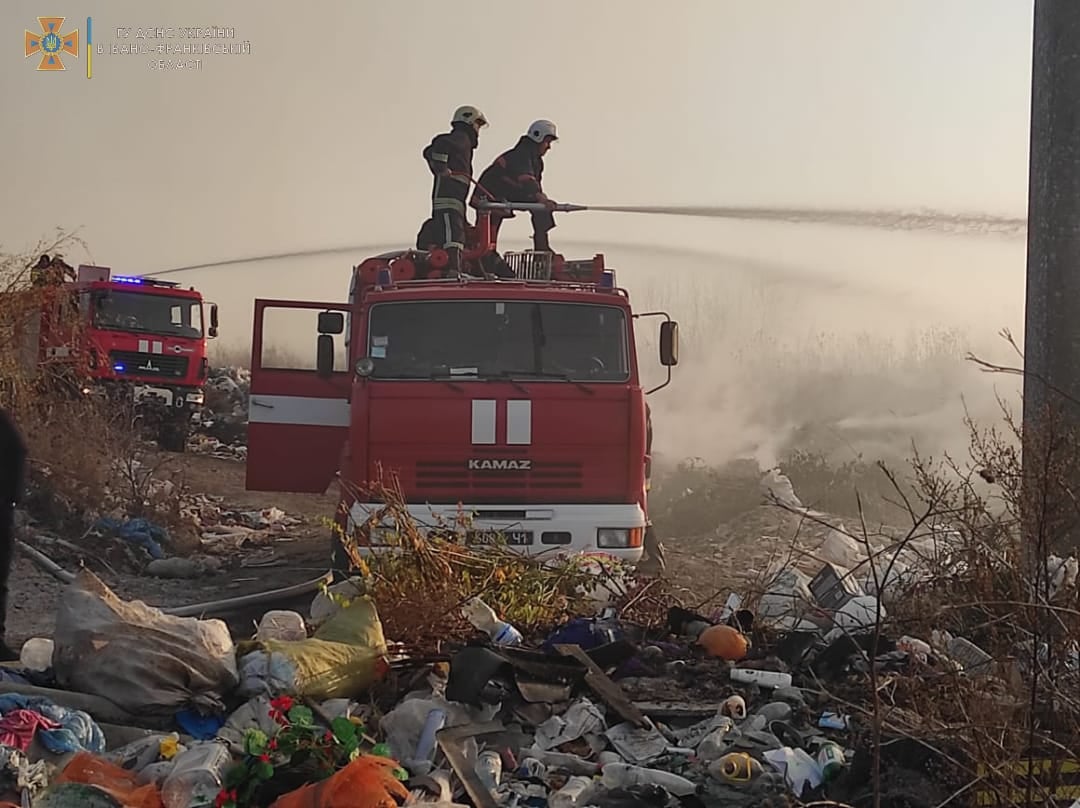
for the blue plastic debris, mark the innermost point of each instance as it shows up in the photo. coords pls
(140, 532)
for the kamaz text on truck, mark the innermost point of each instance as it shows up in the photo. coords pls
(516, 401)
(132, 338)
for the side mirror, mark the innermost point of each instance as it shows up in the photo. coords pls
(324, 361)
(212, 332)
(669, 343)
(331, 322)
(213, 318)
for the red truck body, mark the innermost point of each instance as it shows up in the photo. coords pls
(131, 336)
(517, 402)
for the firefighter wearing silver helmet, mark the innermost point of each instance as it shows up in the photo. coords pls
(516, 175)
(449, 157)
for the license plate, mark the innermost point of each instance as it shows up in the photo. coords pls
(516, 538)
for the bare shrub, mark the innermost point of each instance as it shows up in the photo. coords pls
(86, 455)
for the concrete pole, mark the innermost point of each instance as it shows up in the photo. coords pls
(1052, 327)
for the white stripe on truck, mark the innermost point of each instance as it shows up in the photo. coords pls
(483, 421)
(519, 422)
(298, 410)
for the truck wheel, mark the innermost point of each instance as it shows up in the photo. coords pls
(173, 435)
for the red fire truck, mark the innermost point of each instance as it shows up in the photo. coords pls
(514, 401)
(130, 338)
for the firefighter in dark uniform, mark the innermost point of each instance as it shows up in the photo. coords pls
(51, 271)
(450, 156)
(517, 176)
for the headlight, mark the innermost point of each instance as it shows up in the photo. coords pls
(365, 366)
(618, 538)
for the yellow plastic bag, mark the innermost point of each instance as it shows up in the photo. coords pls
(345, 657)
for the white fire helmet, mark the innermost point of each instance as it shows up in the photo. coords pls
(471, 116)
(540, 130)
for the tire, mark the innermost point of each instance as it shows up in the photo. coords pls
(173, 435)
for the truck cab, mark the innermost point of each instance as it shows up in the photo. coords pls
(515, 403)
(132, 338)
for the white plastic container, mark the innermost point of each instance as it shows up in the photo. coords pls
(197, 776)
(623, 775)
(37, 654)
(283, 626)
(574, 794)
(489, 770)
(749, 676)
(483, 618)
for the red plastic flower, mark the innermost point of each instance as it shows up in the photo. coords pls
(265, 758)
(282, 703)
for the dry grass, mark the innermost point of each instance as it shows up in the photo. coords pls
(86, 457)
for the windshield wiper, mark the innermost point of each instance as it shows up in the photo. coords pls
(566, 377)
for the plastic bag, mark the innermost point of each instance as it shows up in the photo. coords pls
(346, 655)
(367, 782)
(138, 657)
(87, 769)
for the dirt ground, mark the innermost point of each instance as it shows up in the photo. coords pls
(301, 554)
(702, 569)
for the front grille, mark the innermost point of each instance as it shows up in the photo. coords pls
(137, 363)
(457, 475)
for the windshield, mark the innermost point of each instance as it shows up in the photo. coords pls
(493, 339)
(153, 314)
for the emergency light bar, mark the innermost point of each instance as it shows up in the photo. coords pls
(140, 281)
(383, 277)
(607, 280)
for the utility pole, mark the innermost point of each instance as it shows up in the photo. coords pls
(1052, 327)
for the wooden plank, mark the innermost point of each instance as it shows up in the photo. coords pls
(450, 741)
(606, 689)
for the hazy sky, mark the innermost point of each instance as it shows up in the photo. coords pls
(314, 137)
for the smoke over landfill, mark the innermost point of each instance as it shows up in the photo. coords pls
(843, 332)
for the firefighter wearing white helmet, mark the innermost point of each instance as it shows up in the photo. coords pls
(449, 157)
(517, 176)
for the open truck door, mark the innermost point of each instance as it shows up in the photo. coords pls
(298, 409)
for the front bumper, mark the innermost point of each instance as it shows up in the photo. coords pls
(535, 530)
(180, 399)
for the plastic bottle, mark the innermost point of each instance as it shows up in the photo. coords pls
(37, 654)
(285, 626)
(425, 747)
(562, 760)
(830, 758)
(483, 618)
(715, 743)
(489, 770)
(575, 793)
(751, 676)
(623, 775)
(197, 776)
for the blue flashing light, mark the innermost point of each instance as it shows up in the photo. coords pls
(127, 279)
(119, 368)
(607, 280)
(383, 278)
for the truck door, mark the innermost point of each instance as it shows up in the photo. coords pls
(298, 419)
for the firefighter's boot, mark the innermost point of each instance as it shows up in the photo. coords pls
(453, 266)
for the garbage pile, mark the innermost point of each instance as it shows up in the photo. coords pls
(220, 428)
(221, 536)
(127, 705)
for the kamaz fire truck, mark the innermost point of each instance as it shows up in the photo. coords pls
(128, 338)
(514, 401)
